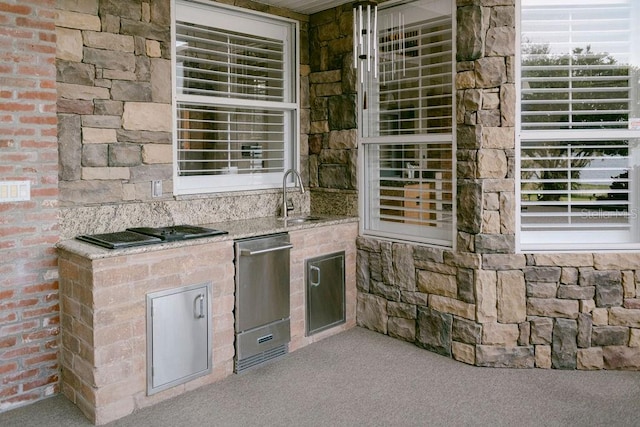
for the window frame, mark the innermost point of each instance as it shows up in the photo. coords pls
(549, 239)
(233, 18)
(404, 232)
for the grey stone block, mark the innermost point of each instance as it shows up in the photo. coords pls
(609, 335)
(505, 357)
(564, 348)
(75, 73)
(585, 324)
(576, 292)
(112, 60)
(69, 147)
(470, 37)
(466, 331)
(542, 274)
(466, 285)
(95, 155)
(541, 330)
(131, 91)
(125, 155)
(434, 331)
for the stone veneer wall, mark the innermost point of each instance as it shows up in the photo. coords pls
(115, 120)
(483, 304)
(332, 148)
(563, 311)
(29, 302)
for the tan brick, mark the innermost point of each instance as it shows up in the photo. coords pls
(634, 337)
(105, 173)
(564, 259)
(69, 44)
(153, 48)
(452, 306)
(79, 21)
(616, 261)
(552, 307)
(498, 137)
(587, 306)
(109, 41)
(490, 222)
(500, 334)
(629, 284)
(147, 116)
(157, 153)
(486, 296)
(98, 136)
(437, 284)
(619, 316)
(600, 316)
(590, 358)
(465, 353)
(73, 91)
(511, 297)
(543, 356)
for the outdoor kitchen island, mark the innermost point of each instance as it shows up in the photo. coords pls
(103, 306)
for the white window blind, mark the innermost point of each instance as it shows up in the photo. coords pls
(413, 94)
(572, 183)
(576, 65)
(579, 124)
(236, 107)
(218, 140)
(407, 126)
(218, 63)
(415, 73)
(413, 189)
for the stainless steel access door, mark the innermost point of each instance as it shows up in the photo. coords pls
(178, 336)
(262, 281)
(325, 292)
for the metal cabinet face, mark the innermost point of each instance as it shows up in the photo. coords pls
(178, 336)
(325, 292)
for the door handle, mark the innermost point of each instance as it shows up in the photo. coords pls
(200, 304)
(315, 269)
(249, 252)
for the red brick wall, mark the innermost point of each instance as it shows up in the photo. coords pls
(29, 308)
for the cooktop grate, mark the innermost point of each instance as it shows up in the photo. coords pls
(119, 239)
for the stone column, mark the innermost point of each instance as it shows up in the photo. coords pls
(485, 125)
(332, 135)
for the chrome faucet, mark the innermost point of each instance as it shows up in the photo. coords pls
(287, 205)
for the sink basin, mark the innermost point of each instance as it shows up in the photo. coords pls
(300, 219)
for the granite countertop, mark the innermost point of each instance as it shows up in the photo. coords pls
(238, 229)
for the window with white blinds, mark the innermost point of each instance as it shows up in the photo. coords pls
(407, 126)
(579, 119)
(236, 106)
(577, 65)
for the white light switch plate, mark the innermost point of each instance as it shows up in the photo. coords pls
(15, 191)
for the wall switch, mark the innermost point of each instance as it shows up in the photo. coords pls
(15, 191)
(156, 188)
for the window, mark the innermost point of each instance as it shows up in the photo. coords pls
(235, 99)
(580, 124)
(407, 126)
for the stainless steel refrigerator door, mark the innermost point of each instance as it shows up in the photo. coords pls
(262, 281)
(179, 334)
(325, 292)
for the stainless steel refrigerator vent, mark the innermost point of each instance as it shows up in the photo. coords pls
(260, 358)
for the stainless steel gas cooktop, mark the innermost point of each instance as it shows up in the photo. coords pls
(148, 235)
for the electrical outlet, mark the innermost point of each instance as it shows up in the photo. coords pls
(15, 191)
(156, 188)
